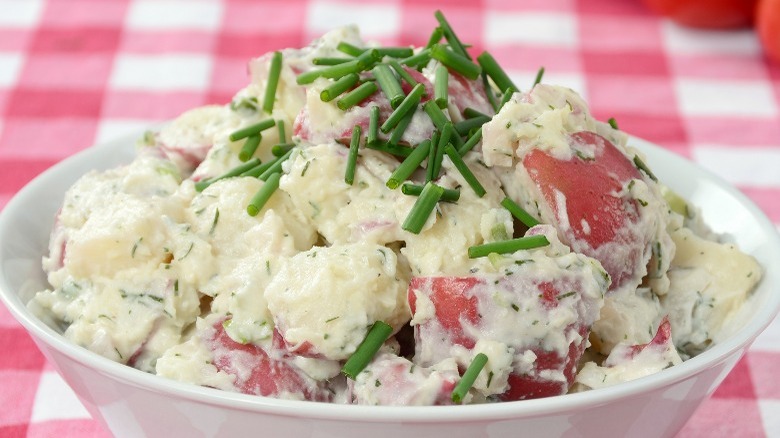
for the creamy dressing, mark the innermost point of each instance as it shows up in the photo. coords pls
(148, 271)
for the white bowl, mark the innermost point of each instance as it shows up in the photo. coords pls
(132, 403)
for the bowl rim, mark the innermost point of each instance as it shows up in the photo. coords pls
(719, 353)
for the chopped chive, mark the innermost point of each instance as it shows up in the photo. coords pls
(518, 212)
(252, 129)
(282, 134)
(258, 170)
(449, 195)
(440, 86)
(273, 81)
(539, 76)
(368, 58)
(349, 49)
(357, 95)
(430, 165)
(464, 170)
(489, 92)
(276, 166)
(250, 146)
(464, 127)
(508, 246)
(389, 83)
(613, 123)
(400, 128)
(358, 361)
(409, 165)
(280, 149)
(508, 93)
(354, 144)
(335, 89)
(373, 125)
(471, 142)
(457, 62)
(330, 72)
(470, 113)
(445, 138)
(436, 36)
(264, 194)
(469, 377)
(450, 36)
(643, 167)
(396, 52)
(494, 71)
(422, 208)
(402, 73)
(408, 104)
(329, 61)
(439, 120)
(393, 149)
(421, 58)
(236, 171)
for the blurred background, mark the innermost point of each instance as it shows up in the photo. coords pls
(74, 73)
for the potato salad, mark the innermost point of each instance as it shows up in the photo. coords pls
(389, 226)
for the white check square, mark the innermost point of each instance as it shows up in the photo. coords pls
(54, 400)
(375, 20)
(172, 14)
(16, 13)
(741, 165)
(710, 97)
(169, 72)
(537, 28)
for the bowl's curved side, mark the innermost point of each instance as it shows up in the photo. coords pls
(125, 398)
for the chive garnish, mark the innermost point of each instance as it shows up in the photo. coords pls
(643, 167)
(494, 71)
(273, 81)
(539, 76)
(430, 165)
(470, 113)
(408, 166)
(441, 82)
(469, 377)
(508, 246)
(464, 127)
(464, 170)
(435, 37)
(282, 134)
(613, 123)
(257, 170)
(275, 166)
(329, 61)
(408, 104)
(435, 113)
(389, 84)
(236, 171)
(402, 73)
(421, 58)
(373, 125)
(457, 62)
(358, 361)
(250, 146)
(471, 142)
(280, 149)
(489, 92)
(252, 129)
(330, 72)
(449, 195)
(422, 208)
(264, 194)
(392, 149)
(447, 133)
(354, 144)
(450, 36)
(396, 52)
(340, 86)
(349, 49)
(518, 212)
(400, 128)
(368, 58)
(356, 96)
(508, 93)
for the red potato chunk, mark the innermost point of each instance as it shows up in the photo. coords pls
(595, 214)
(261, 370)
(543, 323)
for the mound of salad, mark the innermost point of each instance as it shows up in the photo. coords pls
(389, 226)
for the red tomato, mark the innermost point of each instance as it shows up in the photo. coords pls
(768, 27)
(712, 14)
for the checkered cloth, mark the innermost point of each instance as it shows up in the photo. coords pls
(77, 72)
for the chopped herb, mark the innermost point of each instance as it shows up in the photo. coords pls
(339, 87)
(376, 336)
(263, 194)
(422, 208)
(356, 96)
(214, 222)
(273, 81)
(250, 130)
(135, 247)
(467, 381)
(354, 144)
(539, 76)
(613, 123)
(409, 165)
(518, 212)
(508, 246)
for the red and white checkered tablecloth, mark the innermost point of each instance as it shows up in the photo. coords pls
(78, 72)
